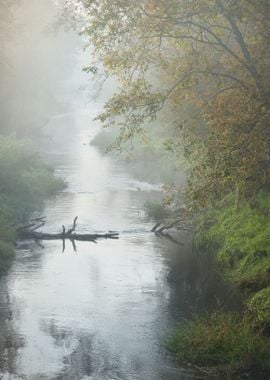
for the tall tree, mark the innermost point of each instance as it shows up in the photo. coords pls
(207, 62)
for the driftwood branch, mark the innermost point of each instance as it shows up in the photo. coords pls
(29, 231)
(162, 230)
(155, 227)
(63, 235)
(38, 226)
(171, 225)
(72, 229)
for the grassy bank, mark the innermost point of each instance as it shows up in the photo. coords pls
(25, 183)
(240, 238)
(221, 342)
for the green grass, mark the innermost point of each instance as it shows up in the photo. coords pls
(253, 273)
(240, 239)
(220, 340)
(259, 310)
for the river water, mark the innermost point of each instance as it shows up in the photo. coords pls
(102, 311)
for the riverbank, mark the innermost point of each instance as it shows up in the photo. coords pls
(225, 339)
(149, 160)
(26, 182)
(237, 343)
(125, 293)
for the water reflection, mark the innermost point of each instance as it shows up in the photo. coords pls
(101, 312)
(10, 340)
(196, 282)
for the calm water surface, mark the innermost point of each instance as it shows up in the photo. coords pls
(101, 312)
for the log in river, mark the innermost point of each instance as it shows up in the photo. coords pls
(28, 231)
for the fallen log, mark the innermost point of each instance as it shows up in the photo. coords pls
(156, 226)
(162, 230)
(60, 236)
(29, 231)
(159, 229)
(174, 223)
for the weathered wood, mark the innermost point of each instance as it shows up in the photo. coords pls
(29, 231)
(73, 226)
(174, 223)
(158, 229)
(60, 236)
(169, 237)
(155, 227)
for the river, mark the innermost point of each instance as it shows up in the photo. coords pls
(99, 312)
(102, 311)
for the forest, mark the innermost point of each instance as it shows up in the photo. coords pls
(190, 110)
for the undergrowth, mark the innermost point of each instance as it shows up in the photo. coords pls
(157, 211)
(25, 183)
(240, 238)
(220, 340)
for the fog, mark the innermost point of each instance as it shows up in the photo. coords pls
(39, 58)
(134, 160)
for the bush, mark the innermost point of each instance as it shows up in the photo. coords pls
(157, 211)
(241, 237)
(220, 340)
(25, 182)
(259, 310)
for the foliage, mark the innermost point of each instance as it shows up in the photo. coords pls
(206, 64)
(259, 310)
(242, 230)
(148, 161)
(220, 339)
(241, 237)
(25, 182)
(157, 210)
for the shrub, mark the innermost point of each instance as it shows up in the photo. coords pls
(259, 310)
(25, 182)
(157, 211)
(220, 339)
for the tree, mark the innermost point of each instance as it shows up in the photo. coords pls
(207, 63)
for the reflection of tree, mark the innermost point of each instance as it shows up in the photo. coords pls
(196, 283)
(10, 341)
(84, 355)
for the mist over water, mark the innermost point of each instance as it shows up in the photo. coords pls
(39, 54)
(102, 311)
